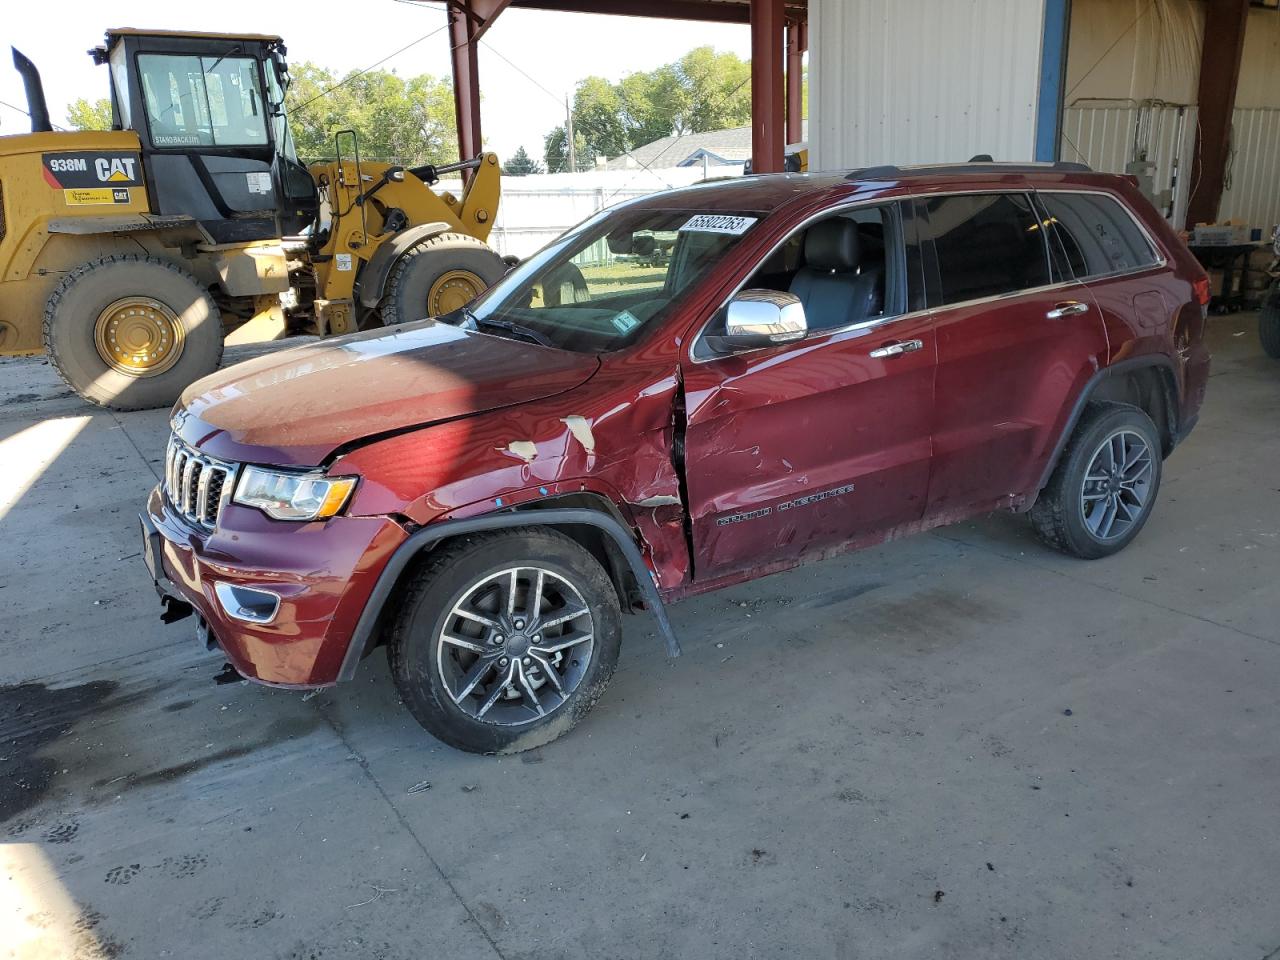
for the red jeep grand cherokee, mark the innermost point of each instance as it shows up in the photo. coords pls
(687, 391)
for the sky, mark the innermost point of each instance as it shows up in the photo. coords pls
(556, 49)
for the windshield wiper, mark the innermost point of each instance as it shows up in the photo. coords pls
(511, 327)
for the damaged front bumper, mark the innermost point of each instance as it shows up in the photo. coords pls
(280, 599)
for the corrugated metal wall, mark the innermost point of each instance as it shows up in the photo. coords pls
(917, 81)
(1107, 135)
(1129, 59)
(1253, 188)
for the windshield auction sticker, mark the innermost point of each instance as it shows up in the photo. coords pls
(718, 223)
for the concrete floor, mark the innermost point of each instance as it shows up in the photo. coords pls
(957, 745)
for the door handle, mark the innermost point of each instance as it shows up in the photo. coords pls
(896, 349)
(1067, 308)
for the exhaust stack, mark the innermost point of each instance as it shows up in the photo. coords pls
(36, 105)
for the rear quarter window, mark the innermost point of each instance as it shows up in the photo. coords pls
(1097, 234)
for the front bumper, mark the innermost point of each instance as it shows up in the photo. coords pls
(322, 572)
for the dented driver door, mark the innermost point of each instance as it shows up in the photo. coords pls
(797, 450)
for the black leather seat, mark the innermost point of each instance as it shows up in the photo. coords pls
(835, 285)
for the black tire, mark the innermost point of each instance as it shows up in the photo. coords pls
(1059, 512)
(419, 268)
(1269, 322)
(73, 309)
(419, 657)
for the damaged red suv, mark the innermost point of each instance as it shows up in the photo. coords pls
(687, 391)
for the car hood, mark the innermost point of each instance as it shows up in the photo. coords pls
(296, 407)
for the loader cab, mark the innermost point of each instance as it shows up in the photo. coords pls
(209, 112)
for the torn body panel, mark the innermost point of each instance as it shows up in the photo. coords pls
(615, 439)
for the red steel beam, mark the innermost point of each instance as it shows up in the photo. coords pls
(468, 21)
(1224, 25)
(714, 11)
(797, 44)
(766, 86)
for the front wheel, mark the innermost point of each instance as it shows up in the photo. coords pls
(1105, 485)
(503, 642)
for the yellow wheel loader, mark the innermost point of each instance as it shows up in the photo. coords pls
(131, 255)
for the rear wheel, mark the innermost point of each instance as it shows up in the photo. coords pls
(438, 275)
(131, 332)
(1105, 485)
(1269, 322)
(503, 642)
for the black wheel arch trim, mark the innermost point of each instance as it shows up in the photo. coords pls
(364, 636)
(1156, 361)
(373, 278)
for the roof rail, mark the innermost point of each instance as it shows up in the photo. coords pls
(884, 171)
(976, 165)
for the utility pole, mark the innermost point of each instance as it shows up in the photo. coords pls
(568, 136)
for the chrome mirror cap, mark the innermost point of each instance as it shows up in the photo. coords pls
(763, 317)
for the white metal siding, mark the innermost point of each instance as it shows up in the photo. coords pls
(1253, 193)
(1108, 135)
(917, 81)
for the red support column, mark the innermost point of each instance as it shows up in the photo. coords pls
(797, 44)
(468, 20)
(766, 86)
(1224, 24)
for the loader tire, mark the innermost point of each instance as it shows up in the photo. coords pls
(438, 275)
(131, 332)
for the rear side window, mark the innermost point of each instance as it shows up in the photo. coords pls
(986, 245)
(1097, 234)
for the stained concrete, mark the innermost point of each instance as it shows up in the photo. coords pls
(957, 745)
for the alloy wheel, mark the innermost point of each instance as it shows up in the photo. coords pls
(515, 645)
(1117, 486)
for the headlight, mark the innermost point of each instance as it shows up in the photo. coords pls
(293, 496)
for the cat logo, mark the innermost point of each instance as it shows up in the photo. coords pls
(88, 170)
(115, 169)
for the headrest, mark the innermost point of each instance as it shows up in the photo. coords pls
(832, 245)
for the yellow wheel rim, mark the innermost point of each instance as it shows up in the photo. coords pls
(138, 336)
(452, 290)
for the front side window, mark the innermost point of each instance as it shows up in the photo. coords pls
(1096, 234)
(198, 101)
(842, 268)
(600, 286)
(986, 244)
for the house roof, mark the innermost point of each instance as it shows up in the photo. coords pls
(731, 145)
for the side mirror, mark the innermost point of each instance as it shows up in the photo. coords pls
(760, 318)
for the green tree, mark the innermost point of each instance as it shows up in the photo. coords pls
(521, 164)
(397, 120)
(703, 90)
(89, 114)
(556, 155)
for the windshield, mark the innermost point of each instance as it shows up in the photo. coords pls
(600, 286)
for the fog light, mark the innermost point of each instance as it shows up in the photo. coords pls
(247, 603)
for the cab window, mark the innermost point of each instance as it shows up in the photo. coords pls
(197, 101)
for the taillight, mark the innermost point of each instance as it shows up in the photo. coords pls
(1201, 288)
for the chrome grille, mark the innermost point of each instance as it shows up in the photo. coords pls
(197, 486)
